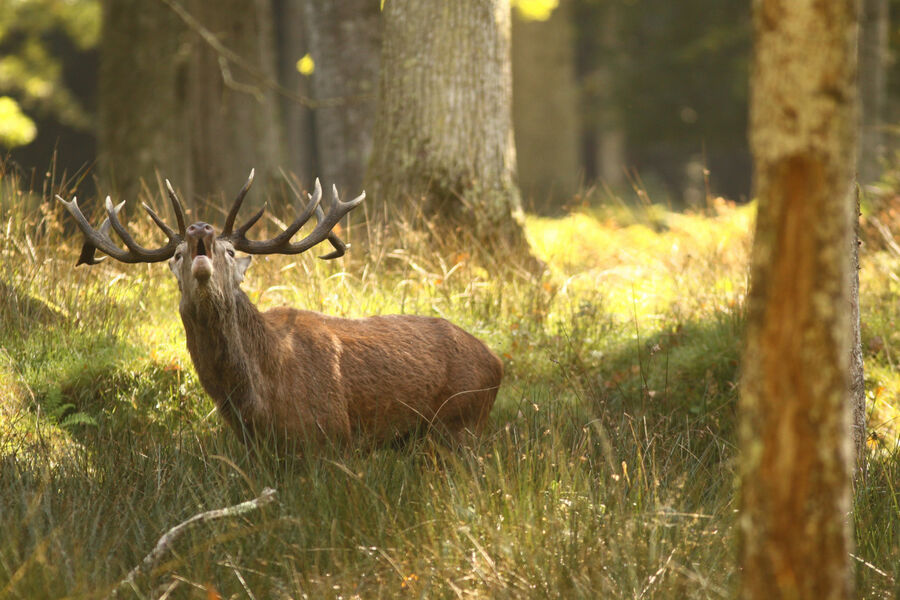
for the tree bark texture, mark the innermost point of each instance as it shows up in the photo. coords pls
(170, 104)
(443, 131)
(874, 55)
(795, 431)
(346, 41)
(545, 108)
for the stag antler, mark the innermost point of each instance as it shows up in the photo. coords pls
(281, 243)
(99, 239)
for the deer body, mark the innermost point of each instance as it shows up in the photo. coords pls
(304, 376)
(301, 376)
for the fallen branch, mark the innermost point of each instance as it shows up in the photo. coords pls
(166, 541)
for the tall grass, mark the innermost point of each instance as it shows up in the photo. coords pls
(607, 469)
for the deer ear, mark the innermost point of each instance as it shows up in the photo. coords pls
(241, 263)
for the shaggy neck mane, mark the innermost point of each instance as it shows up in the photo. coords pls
(222, 337)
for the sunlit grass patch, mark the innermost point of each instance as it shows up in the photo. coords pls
(645, 272)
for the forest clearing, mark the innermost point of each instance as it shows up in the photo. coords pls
(607, 466)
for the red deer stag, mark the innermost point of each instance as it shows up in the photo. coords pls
(301, 375)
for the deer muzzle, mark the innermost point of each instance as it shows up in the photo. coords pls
(201, 238)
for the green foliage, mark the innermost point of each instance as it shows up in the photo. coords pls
(34, 35)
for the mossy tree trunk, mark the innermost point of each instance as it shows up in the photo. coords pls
(443, 129)
(346, 40)
(795, 431)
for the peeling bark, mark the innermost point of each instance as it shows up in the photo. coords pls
(795, 429)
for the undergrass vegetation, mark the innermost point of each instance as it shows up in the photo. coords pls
(607, 469)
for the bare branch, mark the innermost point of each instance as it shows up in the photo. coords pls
(169, 538)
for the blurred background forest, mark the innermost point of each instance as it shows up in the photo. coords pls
(608, 94)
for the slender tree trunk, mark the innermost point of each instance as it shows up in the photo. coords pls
(873, 62)
(443, 130)
(608, 132)
(543, 61)
(346, 40)
(795, 427)
(292, 43)
(142, 73)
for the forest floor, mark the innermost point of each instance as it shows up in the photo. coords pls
(607, 469)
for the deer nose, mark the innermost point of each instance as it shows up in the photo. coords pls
(200, 230)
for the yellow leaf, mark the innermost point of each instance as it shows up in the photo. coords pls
(535, 10)
(306, 65)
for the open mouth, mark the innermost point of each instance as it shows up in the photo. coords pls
(200, 249)
(201, 263)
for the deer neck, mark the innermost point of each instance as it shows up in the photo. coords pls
(226, 339)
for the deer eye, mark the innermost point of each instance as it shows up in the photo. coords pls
(230, 253)
(177, 256)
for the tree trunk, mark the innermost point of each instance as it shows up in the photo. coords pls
(140, 100)
(292, 43)
(346, 38)
(443, 130)
(171, 104)
(607, 131)
(543, 62)
(873, 61)
(234, 117)
(795, 427)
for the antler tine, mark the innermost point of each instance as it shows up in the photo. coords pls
(159, 222)
(94, 240)
(177, 207)
(138, 251)
(232, 215)
(325, 223)
(314, 199)
(101, 240)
